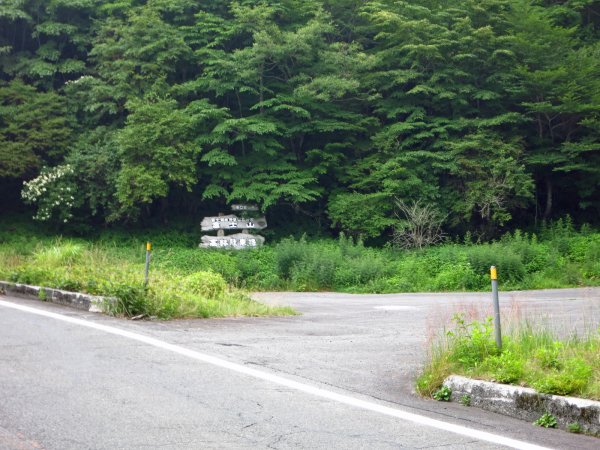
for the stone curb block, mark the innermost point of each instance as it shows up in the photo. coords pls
(526, 403)
(86, 302)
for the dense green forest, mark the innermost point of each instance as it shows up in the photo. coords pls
(325, 113)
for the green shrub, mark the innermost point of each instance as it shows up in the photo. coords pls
(433, 375)
(288, 254)
(314, 273)
(591, 259)
(460, 276)
(132, 300)
(188, 261)
(206, 284)
(471, 343)
(548, 358)
(68, 283)
(29, 275)
(257, 269)
(505, 368)
(443, 394)
(412, 274)
(465, 400)
(547, 420)
(571, 379)
(107, 271)
(327, 265)
(361, 270)
(349, 248)
(533, 255)
(509, 265)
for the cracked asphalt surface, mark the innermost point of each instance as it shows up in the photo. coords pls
(63, 386)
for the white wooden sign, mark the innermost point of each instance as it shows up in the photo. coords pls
(232, 222)
(235, 241)
(244, 207)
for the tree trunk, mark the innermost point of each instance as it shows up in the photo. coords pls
(548, 209)
(164, 207)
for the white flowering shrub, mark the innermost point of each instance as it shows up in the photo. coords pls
(53, 192)
(81, 80)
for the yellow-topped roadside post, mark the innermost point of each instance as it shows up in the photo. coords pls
(497, 330)
(148, 249)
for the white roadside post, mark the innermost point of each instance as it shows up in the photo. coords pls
(497, 330)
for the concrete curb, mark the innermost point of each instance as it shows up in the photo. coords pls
(526, 403)
(86, 302)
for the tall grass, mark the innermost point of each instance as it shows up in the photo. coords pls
(532, 355)
(557, 256)
(561, 258)
(102, 270)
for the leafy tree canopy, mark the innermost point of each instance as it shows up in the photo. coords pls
(486, 111)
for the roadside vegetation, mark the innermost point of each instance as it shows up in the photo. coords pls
(557, 257)
(107, 269)
(532, 355)
(111, 263)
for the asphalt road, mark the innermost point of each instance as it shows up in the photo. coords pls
(338, 376)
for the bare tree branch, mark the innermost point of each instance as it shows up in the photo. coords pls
(420, 225)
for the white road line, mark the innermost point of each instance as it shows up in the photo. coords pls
(306, 388)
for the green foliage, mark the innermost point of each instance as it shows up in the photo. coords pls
(459, 276)
(546, 420)
(257, 269)
(443, 394)
(289, 253)
(571, 378)
(574, 427)
(78, 266)
(189, 261)
(34, 129)
(53, 193)
(331, 265)
(487, 112)
(361, 214)
(548, 356)
(436, 370)
(532, 356)
(510, 265)
(524, 261)
(132, 300)
(505, 368)
(207, 284)
(158, 150)
(473, 342)
(465, 400)
(94, 161)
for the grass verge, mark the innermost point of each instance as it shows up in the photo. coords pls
(557, 256)
(531, 355)
(110, 271)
